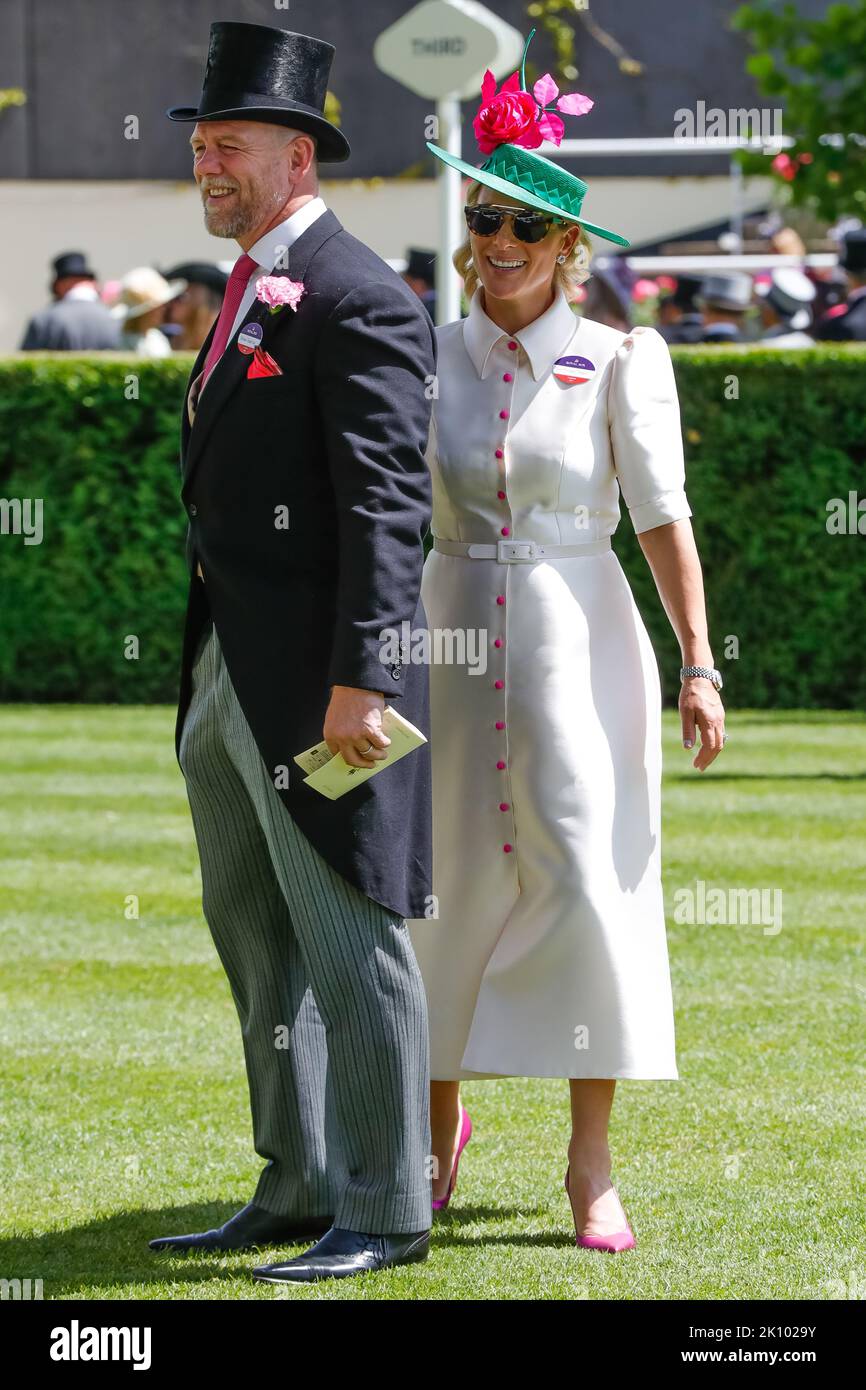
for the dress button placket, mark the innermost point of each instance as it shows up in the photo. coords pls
(507, 378)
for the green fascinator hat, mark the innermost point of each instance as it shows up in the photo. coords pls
(509, 127)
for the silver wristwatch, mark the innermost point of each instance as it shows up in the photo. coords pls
(709, 671)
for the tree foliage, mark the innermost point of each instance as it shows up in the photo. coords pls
(816, 70)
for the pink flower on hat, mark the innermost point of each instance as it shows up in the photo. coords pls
(508, 116)
(546, 93)
(278, 290)
(514, 116)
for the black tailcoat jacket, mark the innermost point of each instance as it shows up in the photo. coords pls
(308, 497)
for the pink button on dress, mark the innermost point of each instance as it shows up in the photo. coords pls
(548, 956)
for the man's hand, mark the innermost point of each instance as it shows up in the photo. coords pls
(354, 722)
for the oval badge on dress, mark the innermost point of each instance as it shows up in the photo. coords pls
(250, 337)
(574, 371)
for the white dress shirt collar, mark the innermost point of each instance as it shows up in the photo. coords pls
(267, 250)
(543, 340)
(85, 289)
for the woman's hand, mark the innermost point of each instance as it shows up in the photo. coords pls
(701, 706)
(673, 558)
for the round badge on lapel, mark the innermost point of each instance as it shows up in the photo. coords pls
(250, 337)
(573, 371)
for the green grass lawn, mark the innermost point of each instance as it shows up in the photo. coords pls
(124, 1111)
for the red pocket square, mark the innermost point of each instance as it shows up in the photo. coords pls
(263, 365)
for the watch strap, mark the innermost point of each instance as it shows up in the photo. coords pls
(707, 671)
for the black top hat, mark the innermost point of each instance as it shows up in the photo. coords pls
(686, 289)
(257, 73)
(421, 265)
(72, 263)
(199, 273)
(853, 255)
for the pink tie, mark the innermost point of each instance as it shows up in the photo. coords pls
(234, 293)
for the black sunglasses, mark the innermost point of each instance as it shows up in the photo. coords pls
(485, 219)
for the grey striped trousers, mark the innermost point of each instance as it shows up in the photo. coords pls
(331, 1002)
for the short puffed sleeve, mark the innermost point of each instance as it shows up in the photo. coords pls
(645, 433)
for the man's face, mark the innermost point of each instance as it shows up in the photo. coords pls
(242, 170)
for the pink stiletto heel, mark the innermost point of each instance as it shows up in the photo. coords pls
(620, 1240)
(439, 1203)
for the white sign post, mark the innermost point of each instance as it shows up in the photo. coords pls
(441, 50)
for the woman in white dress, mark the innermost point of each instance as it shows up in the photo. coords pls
(545, 951)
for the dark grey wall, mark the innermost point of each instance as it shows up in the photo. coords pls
(86, 64)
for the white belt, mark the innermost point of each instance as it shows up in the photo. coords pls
(519, 552)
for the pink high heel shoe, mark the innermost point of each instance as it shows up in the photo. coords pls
(620, 1240)
(439, 1203)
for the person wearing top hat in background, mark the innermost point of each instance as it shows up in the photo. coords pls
(420, 276)
(308, 495)
(607, 294)
(724, 301)
(77, 321)
(547, 954)
(140, 310)
(783, 300)
(192, 314)
(679, 318)
(846, 323)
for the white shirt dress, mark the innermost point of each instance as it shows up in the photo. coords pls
(545, 953)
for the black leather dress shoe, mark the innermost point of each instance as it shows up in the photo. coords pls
(250, 1226)
(340, 1254)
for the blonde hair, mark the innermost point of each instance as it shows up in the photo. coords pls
(573, 273)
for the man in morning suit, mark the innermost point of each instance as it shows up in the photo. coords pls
(76, 320)
(307, 493)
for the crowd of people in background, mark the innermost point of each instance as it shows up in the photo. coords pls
(151, 312)
(147, 312)
(784, 307)
(154, 313)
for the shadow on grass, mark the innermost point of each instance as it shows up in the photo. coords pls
(448, 1224)
(113, 1250)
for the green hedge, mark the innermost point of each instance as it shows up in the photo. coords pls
(111, 560)
(760, 472)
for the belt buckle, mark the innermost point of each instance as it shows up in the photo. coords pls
(507, 552)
